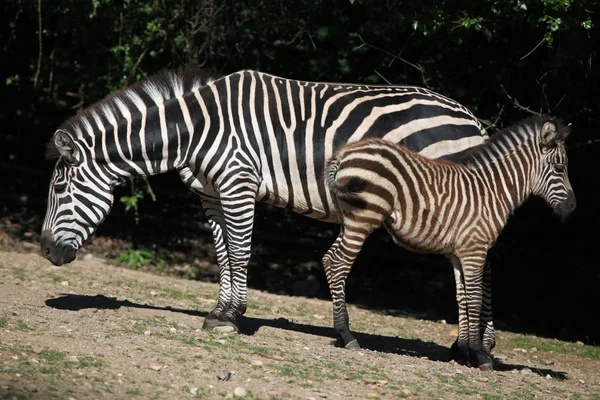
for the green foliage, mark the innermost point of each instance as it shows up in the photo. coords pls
(131, 202)
(136, 258)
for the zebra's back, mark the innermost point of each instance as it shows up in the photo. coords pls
(303, 123)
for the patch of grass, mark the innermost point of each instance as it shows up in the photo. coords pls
(51, 355)
(22, 326)
(135, 392)
(528, 342)
(89, 361)
(49, 370)
(19, 273)
(3, 322)
(57, 278)
(487, 396)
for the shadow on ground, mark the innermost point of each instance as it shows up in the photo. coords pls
(250, 325)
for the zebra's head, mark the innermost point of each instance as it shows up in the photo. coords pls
(79, 198)
(552, 180)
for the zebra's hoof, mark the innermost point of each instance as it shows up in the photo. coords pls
(218, 325)
(352, 345)
(486, 367)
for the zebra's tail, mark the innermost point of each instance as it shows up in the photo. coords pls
(352, 186)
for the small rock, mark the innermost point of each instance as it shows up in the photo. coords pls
(73, 358)
(443, 322)
(37, 349)
(223, 329)
(257, 363)
(221, 341)
(306, 348)
(88, 257)
(579, 342)
(194, 390)
(224, 376)
(153, 293)
(548, 376)
(155, 367)
(372, 395)
(406, 392)
(147, 332)
(318, 316)
(526, 371)
(33, 360)
(65, 283)
(173, 330)
(239, 392)
(518, 350)
(582, 381)
(533, 349)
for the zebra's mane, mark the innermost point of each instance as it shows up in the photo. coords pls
(506, 140)
(149, 92)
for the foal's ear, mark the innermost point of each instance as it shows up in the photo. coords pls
(549, 134)
(66, 147)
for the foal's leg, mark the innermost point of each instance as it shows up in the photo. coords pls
(337, 263)
(488, 335)
(473, 261)
(460, 347)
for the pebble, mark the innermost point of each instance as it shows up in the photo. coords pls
(155, 367)
(153, 293)
(194, 390)
(548, 376)
(526, 371)
(224, 376)
(257, 363)
(65, 283)
(173, 330)
(147, 333)
(88, 256)
(239, 392)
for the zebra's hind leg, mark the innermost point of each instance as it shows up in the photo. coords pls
(460, 348)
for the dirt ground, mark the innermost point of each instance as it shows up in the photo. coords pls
(91, 330)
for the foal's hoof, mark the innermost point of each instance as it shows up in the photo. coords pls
(352, 345)
(218, 325)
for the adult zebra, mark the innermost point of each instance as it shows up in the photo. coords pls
(457, 210)
(245, 137)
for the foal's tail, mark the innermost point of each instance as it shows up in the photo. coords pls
(348, 185)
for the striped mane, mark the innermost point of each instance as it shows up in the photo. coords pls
(507, 140)
(153, 90)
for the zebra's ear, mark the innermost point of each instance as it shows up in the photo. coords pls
(66, 147)
(549, 134)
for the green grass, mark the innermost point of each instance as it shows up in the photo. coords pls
(89, 361)
(528, 342)
(3, 322)
(19, 273)
(51, 355)
(22, 326)
(135, 392)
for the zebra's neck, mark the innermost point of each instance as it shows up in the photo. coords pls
(506, 168)
(145, 141)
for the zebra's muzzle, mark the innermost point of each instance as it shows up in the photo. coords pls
(56, 253)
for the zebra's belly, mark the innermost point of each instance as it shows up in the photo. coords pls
(412, 235)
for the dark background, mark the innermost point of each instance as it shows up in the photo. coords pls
(502, 59)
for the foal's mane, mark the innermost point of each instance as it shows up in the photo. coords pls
(507, 139)
(163, 85)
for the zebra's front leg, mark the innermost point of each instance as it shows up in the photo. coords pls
(473, 263)
(219, 318)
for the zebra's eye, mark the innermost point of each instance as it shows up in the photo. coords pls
(559, 167)
(60, 188)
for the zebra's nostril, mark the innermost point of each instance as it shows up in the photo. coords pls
(46, 252)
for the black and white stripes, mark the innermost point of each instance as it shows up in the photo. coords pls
(453, 209)
(238, 139)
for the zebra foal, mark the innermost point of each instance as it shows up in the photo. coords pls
(457, 210)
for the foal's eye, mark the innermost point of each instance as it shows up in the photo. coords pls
(559, 167)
